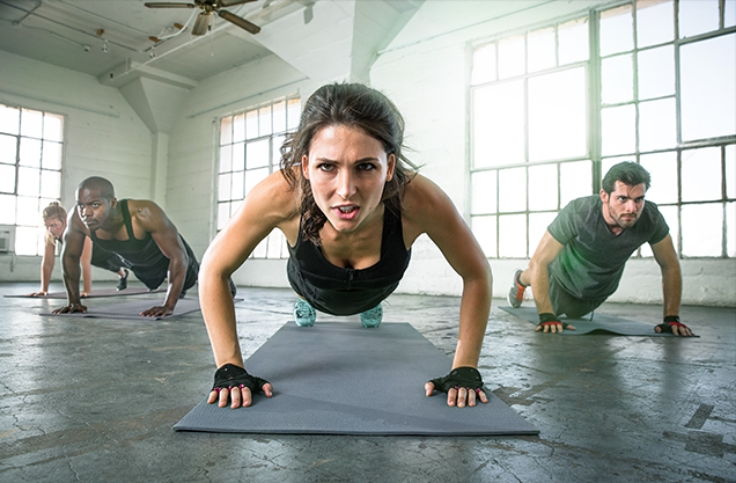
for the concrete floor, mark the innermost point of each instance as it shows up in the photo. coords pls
(94, 400)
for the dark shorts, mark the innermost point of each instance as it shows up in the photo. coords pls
(153, 277)
(565, 303)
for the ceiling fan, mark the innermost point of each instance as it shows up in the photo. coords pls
(208, 8)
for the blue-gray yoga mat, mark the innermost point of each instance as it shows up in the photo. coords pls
(133, 309)
(95, 293)
(339, 378)
(600, 324)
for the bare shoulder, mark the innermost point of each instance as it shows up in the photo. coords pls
(273, 198)
(426, 208)
(146, 212)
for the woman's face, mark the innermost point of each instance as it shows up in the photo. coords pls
(347, 170)
(55, 226)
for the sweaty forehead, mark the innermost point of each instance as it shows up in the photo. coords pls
(86, 195)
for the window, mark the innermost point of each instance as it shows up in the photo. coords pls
(657, 87)
(249, 152)
(31, 147)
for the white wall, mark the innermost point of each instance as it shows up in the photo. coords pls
(103, 136)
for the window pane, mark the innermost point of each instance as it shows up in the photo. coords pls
(656, 72)
(275, 151)
(484, 229)
(657, 125)
(617, 30)
(543, 187)
(572, 40)
(257, 154)
(701, 174)
(557, 115)
(29, 181)
(512, 189)
(576, 180)
(238, 188)
(51, 155)
(483, 192)
(541, 49)
(27, 212)
(52, 127)
(239, 128)
(31, 123)
(702, 230)
(51, 183)
(655, 22)
(30, 152)
(731, 229)
(226, 130)
(729, 15)
(7, 210)
(619, 133)
(239, 157)
(663, 169)
(224, 185)
(279, 117)
(264, 120)
(511, 57)
(484, 64)
(223, 215)
(8, 146)
(498, 139)
(708, 80)
(251, 124)
(7, 179)
(253, 177)
(617, 78)
(9, 119)
(293, 112)
(512, 241)
(697, 17)
(226, 158)
(26, 240)
(538, 223)
(670, 217)
(275, 239)
(261, 249)
(731, 171)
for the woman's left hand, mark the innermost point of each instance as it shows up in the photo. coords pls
(463, 385)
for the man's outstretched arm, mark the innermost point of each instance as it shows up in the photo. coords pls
(666, 257)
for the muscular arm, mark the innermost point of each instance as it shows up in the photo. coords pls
(47, 264)
(429, 210)
(666, 257)
(149, 216)
(74, 237)
(86, 260)
(547, 250)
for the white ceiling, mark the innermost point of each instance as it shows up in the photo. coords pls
(65, 33)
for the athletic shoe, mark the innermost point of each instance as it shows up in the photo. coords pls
(304, 314)
(123, 281)
(370, 319)
(516, 294)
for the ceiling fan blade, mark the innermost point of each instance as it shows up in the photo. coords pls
(240, 22)
(168, 5)
(230, 3)
(200, 26)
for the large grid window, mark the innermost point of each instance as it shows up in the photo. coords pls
(249, 152)
(652, 81)
(31, 147)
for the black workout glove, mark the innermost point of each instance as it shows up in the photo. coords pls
(230, 375)
(669, 321)
(547, 319)
(468, 377)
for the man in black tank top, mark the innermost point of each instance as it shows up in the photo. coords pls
(139, 232)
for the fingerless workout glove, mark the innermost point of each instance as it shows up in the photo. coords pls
(549, 319)
(230, 375)
(461, 377)
(669, 321)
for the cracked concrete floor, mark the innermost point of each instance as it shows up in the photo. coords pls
(93, 400)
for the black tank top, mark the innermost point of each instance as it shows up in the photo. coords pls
(346, 291)
(142, 254)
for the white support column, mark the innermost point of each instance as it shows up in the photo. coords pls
(159, 168)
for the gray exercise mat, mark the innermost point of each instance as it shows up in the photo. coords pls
(132, 309)
(339, 378)
(95, 293)
(600, 324)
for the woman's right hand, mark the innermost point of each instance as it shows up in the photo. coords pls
(235, 384)
(38, 294)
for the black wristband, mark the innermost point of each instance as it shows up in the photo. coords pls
(672, 318)
(548, 317)
(465, 376)
(230, 375)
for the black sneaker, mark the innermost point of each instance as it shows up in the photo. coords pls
(123, 281)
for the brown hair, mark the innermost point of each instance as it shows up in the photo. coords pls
(54, 210)
(351, 105)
